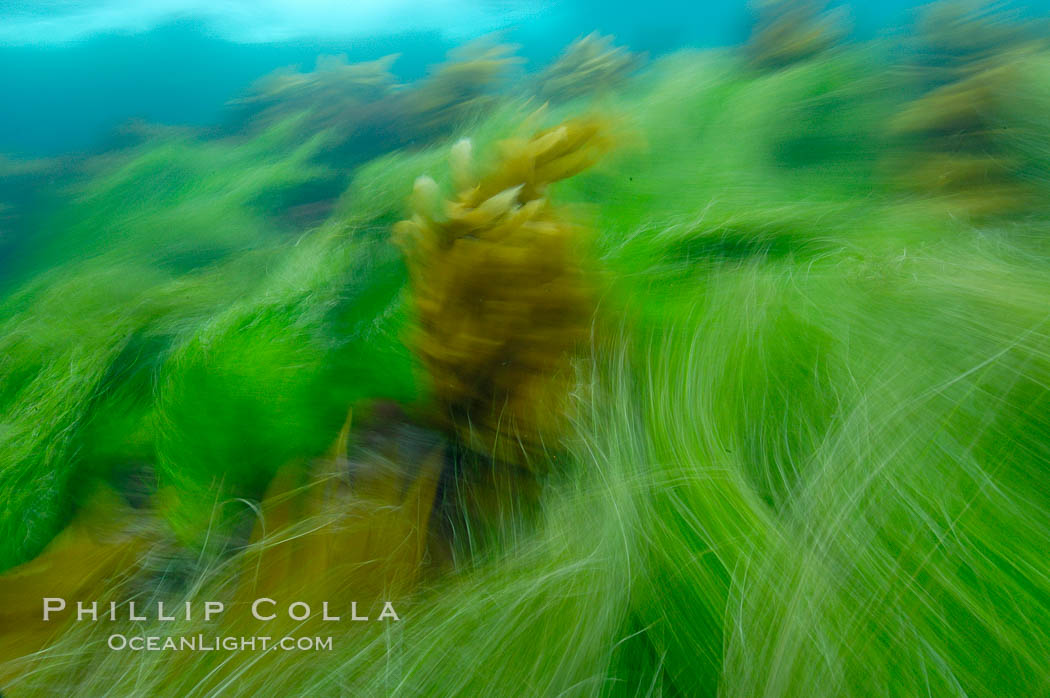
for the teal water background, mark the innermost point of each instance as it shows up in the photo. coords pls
(71, 72)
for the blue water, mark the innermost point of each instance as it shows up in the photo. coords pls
(72, 71)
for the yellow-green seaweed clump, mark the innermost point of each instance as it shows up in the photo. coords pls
(501, 292)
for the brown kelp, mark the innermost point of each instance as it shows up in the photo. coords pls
(349, 103)
(91, 558)
(963, 131)
(361, 109)
(335, 93)
(500, 290)
(333, 80)
(589, 64)
(355, 521)
(463, 86)
(789, 31)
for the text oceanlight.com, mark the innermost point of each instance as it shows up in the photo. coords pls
(202, 643)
